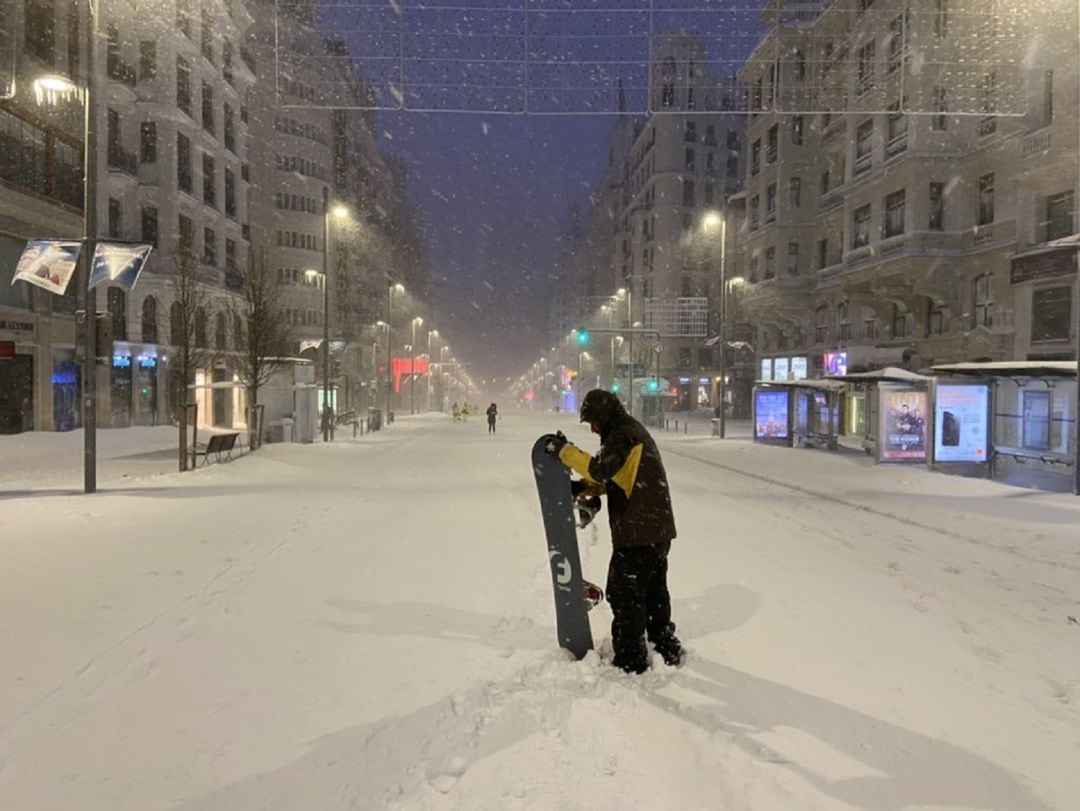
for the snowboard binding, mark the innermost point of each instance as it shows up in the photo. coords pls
(587, 508)
(593, 595)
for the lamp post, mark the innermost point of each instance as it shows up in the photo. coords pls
(49, 89)
(391, 288)
(432, 333)
(416, 322)
(324, 276)
(712, 219)
(628, 294)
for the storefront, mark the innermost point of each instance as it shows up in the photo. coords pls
(17, 378)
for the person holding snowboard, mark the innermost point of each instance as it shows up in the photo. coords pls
(492, 414)
(629, 468)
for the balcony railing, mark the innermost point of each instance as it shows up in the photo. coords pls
(120, 70)
(987, 125)
(1037, 143)
(896, 146)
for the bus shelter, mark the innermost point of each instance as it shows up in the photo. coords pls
(1014, 419)
(797, 413)
(885, 411)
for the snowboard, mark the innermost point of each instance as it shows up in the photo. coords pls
(557, 508)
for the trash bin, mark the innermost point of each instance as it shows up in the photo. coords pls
(715, 426)
(390, 417)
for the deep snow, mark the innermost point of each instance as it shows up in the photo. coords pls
(370, 624)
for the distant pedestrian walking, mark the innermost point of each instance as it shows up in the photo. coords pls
(492, 415)
(456, 411)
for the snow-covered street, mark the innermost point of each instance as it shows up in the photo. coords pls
(370, 624)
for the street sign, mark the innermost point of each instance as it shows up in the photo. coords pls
(658, 349)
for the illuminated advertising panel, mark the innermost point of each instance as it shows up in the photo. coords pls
(766, 369)
(799, 369)
(835, 364)
(780, 369)
(902, 436)
(961, 424)
(770, 414)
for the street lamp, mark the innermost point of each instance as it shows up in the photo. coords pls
(315, 276)
(50, 89)
(621, 293)
(391, 288)
(416, 322)
(432, 333)
(710, 221)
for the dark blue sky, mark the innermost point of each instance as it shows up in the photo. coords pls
(496, 192)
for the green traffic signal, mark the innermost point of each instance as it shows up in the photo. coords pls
(582, 336)
(614, 388)
(653, 385)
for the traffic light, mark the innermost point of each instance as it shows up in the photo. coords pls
(614, 388)
(582, 337)
(654, 386)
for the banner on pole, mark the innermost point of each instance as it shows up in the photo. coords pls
(48, 263)
(118, 264)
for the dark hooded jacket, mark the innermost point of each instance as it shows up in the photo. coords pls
(629, 467)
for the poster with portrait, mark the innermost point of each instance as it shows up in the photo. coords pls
(902, 435)
(771, 414)
(48, 264)
(961, 423)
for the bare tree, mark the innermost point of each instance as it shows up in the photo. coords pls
(263, 337)
(187, 335)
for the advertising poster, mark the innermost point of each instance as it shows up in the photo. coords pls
(770, 414)
(962, 428)
(903, 425)
(835, 364)
(118, 264)
(48, 263)
(799, 369)
(802, 414)
(766, 369)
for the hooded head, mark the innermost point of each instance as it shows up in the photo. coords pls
(600, 408)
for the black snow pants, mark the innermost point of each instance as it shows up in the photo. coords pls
(638, 594)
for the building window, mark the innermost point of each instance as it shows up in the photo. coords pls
(230, 193)
(150, 225)
(795, 192)
(984, 300)
(988, 123)
(860, 227)
(207, 33)
(209, 180)
(822, 253)
(864, 136)
(1048, 98)
(1059, 215)
(687, 192)
(220, 340)
(732, 169)
(147, 59)
(186, 237)
(986, 199)
(797, 123)
(183, 16)
(843, 321)
(770, 203)
(733, 140)
(183, 162)
(793, 259)
(755, 157)
(709, 193)
(149, 321)
(200, 328)
(209, 247)
(894, 214)
(39, 30)
(755, 260)
(230, 255)
(941, 17)
(939, 121)
(755, 203)
(117, 307)
(208, 108)
(183, 85)
(1051, 310)
(798, 61)
(899, 322)
(686, 357)
(148, 142)
(689, 162)
(895, 56)
(690, 133)
(229, 121)
(865, 74)
(936, 218)
(935, 319)
(897, 126)
(227, 61)
(710, 135)
(869, 329)
(821, 324)
(773, 144)
(116, 219)
(770, 262)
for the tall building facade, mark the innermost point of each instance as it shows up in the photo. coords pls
(939, 224)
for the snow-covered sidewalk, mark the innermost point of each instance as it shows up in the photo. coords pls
(369, 624)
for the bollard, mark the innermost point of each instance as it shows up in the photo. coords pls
(676, 426)
(686, 427)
